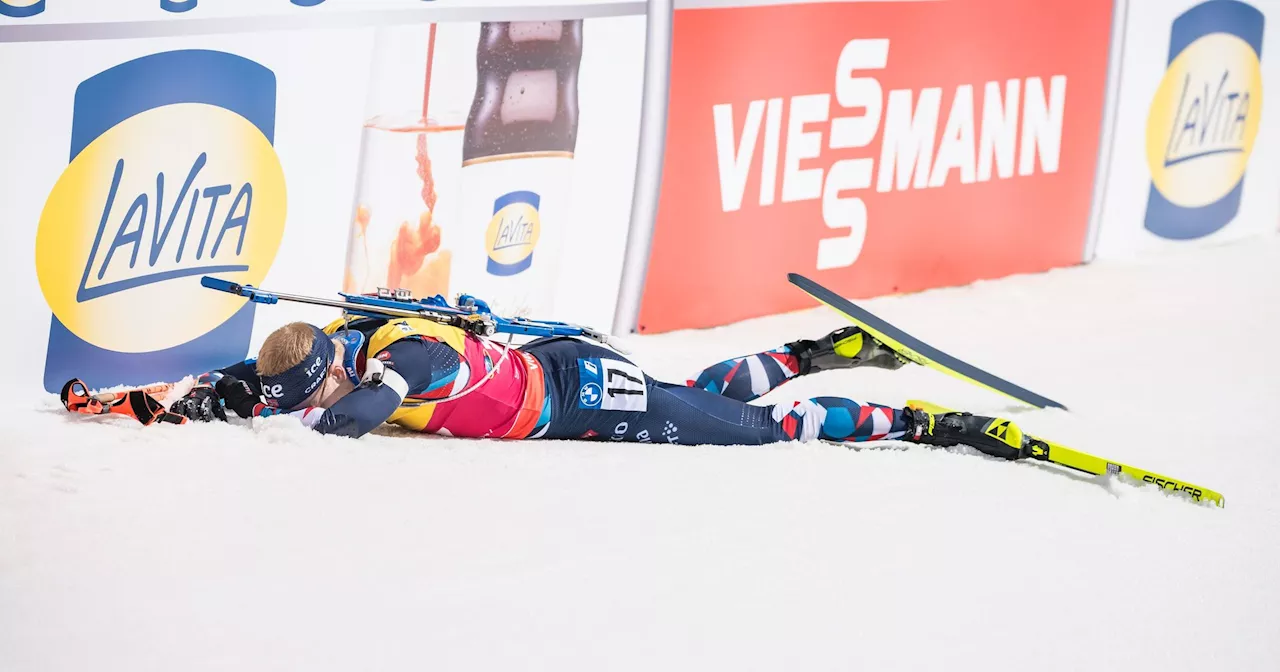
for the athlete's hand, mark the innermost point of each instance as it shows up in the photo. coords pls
(239, 396)
(201, 404)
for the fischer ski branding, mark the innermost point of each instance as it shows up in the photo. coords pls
(916, 350)
(1036, 448)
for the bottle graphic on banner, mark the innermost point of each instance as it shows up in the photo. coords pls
(517, 159)
(406, 194)
(404, 225)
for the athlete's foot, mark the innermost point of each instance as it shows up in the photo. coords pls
(844, 348)
(996, 437)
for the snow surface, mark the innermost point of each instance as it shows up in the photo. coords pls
(219, 547)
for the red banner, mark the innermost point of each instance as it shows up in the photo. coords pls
(875, 147)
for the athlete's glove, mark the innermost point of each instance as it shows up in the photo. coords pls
(240, 397)
(201, 404)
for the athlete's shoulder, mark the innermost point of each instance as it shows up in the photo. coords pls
(412, 327)
(364, 324)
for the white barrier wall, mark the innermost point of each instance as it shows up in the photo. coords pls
(1196, 155)
(355, 125)
(131, 167)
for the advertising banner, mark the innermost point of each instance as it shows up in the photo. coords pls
(481, 157)
(134, 167)
(876, 147)
(496, 147)
(1195, 158)
(497, 159)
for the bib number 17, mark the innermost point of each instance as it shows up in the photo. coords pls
(611, 385)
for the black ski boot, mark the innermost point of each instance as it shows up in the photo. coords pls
(844, 348)
(996, 437)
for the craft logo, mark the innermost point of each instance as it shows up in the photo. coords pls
(512, 233)
(21, 8)
(172, 176)
(1204, 119)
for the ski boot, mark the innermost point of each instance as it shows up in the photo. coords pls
(937, 426)
(844, 348)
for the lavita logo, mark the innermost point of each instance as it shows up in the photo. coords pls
(129, 234)
(172, 176)
(1204, 119)
(513, 233)
(20, 9)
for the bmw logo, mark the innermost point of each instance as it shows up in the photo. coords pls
(589, 395)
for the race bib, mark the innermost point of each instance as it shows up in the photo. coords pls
(611, 385)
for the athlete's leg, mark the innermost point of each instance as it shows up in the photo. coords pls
(598, 394)
(749, 377)
(685, 415)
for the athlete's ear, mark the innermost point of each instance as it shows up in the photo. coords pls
(336, 372)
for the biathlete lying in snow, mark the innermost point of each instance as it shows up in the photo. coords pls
(351, 377)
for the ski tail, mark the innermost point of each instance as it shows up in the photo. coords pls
(1036, 448)
(918, 351)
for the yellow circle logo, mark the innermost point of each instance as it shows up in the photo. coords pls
(152, 204)
(1204, 119)
(513, 233)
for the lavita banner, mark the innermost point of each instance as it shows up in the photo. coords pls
(1195, 158)
(494, 158)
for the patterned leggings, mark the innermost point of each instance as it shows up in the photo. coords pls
(836, 418)
(713, 409)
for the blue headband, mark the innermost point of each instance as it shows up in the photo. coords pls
(289, 388)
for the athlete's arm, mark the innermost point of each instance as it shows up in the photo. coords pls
(246, 371)
(204, 401)
(409, 366)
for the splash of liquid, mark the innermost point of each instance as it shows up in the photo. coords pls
(413, 244)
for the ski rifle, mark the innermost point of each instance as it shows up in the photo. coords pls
(470, 314)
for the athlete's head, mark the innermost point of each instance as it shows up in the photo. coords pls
(302, 366)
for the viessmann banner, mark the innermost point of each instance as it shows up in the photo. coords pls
(877, 147)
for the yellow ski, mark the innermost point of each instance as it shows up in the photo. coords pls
(1037, 448)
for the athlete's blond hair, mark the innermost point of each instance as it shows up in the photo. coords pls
(284, 348)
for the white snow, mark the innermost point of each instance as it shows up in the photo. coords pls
(219, 547)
